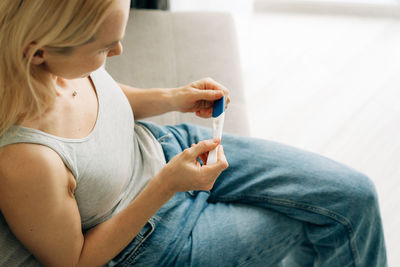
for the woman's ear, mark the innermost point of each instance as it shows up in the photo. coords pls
(37, 58)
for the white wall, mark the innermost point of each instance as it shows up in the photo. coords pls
(233, 6)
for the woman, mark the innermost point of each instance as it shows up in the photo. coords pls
(84, 184)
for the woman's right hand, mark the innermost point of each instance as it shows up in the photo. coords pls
(184, 172)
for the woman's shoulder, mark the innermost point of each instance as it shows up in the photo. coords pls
(24, 151)
(23, 165)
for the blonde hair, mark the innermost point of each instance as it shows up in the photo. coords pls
(57, 25)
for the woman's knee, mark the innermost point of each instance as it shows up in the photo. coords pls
(360, 193)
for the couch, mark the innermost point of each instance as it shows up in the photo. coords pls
(168, 49)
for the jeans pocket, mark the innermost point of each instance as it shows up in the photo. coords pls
(132, 250)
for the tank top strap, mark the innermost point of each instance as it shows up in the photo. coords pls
(20, 134)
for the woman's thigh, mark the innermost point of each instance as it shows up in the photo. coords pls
(240, 235)
(264, 170)
(272, 175)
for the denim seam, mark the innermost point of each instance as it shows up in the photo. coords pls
(287, 203)
(131, 257)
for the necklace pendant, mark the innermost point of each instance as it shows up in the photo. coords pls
(74, 93)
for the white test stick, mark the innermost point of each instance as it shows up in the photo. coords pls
(217, 128)
(218, 125)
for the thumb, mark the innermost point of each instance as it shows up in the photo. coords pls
(220, 165)
(210, 95)
(204, 146)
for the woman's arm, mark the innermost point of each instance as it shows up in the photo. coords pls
(37, 201)
(197, 97)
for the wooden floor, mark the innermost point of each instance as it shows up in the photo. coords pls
(330, 84)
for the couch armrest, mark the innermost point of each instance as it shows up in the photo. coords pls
(166, 49)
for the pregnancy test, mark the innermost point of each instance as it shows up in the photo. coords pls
(218, 117)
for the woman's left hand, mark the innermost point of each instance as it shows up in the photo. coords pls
(199, 96)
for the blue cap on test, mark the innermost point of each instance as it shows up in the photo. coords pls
(219, 107)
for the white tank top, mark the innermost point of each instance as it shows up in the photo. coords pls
(111, 165)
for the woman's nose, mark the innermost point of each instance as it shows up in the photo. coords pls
(116, 50)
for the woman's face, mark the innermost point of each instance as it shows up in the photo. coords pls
(89, 57)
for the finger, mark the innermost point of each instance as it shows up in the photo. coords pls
(227, 101)
(197, 160)
(209, 95)
(203, 104)
(204, 146)
(204, 157)
(214, 170)
(200, 114)
(204, 113)
(210, 82)
(221, 159)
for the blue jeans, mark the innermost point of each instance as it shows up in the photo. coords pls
(274, 206)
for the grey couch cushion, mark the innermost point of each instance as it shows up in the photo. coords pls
(165, 49)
